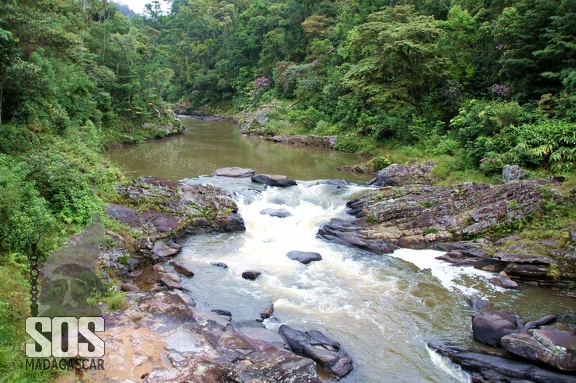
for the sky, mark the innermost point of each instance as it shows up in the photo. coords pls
(138, 5)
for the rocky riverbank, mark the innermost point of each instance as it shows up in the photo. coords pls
(467, 221)
(471, 222)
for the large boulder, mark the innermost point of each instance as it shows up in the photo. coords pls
(490, 326)
(304, 257)
(273, 180)
(234, 172)
(512, 173)
(323, 350)
(551, 346)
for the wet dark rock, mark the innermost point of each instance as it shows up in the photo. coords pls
(551, 346)
(490, 326)
(219, 264)
(267, 311)
(222, 312)
(478, 303)
(129, 287)
(490, 264)
(251, 274)
(488, 368)
(512, 173)
(279, 213)
(548, 319)
(234, 172)
(304, 257)
(182, 268)
(166, 303)
(504, 281)
(323, 350)
(234, 222)
(273, 180)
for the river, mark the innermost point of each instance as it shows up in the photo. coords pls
(382, 309)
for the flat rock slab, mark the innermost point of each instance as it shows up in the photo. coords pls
(183, 341)
(234, 172)
(182, 268)
(304, 257)
(524, 258)
(273, 180)
(487, 368)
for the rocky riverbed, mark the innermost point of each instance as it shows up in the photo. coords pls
(155, 215)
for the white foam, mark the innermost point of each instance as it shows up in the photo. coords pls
(466, 279)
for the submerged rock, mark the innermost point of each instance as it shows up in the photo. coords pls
(251, 274)
(279, 213)
(323, 350)
(304, 257)
(273, 180)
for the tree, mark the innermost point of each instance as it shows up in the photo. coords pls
(398, 60)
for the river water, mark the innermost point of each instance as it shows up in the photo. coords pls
(382, 309)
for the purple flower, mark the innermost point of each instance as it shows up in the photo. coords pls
(501, 90)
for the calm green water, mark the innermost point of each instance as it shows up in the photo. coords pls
(208, 145)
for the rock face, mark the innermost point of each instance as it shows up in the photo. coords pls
(273, 180)
(420, 216)
(512, 173)
(323, 350)
(161, 210)
(487, 368)
(234, 172)
(304, 257)
(163, 340)
(489, 327)
(551, 346)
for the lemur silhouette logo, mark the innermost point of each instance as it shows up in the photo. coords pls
(64, 324)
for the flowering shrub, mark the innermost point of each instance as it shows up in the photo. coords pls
(501, 91)
(261, 83)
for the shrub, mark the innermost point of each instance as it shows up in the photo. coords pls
(549, 143)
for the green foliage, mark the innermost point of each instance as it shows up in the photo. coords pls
(347, 143)
(547, 143)
(14, 308)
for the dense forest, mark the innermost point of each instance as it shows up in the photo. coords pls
(483, 82)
